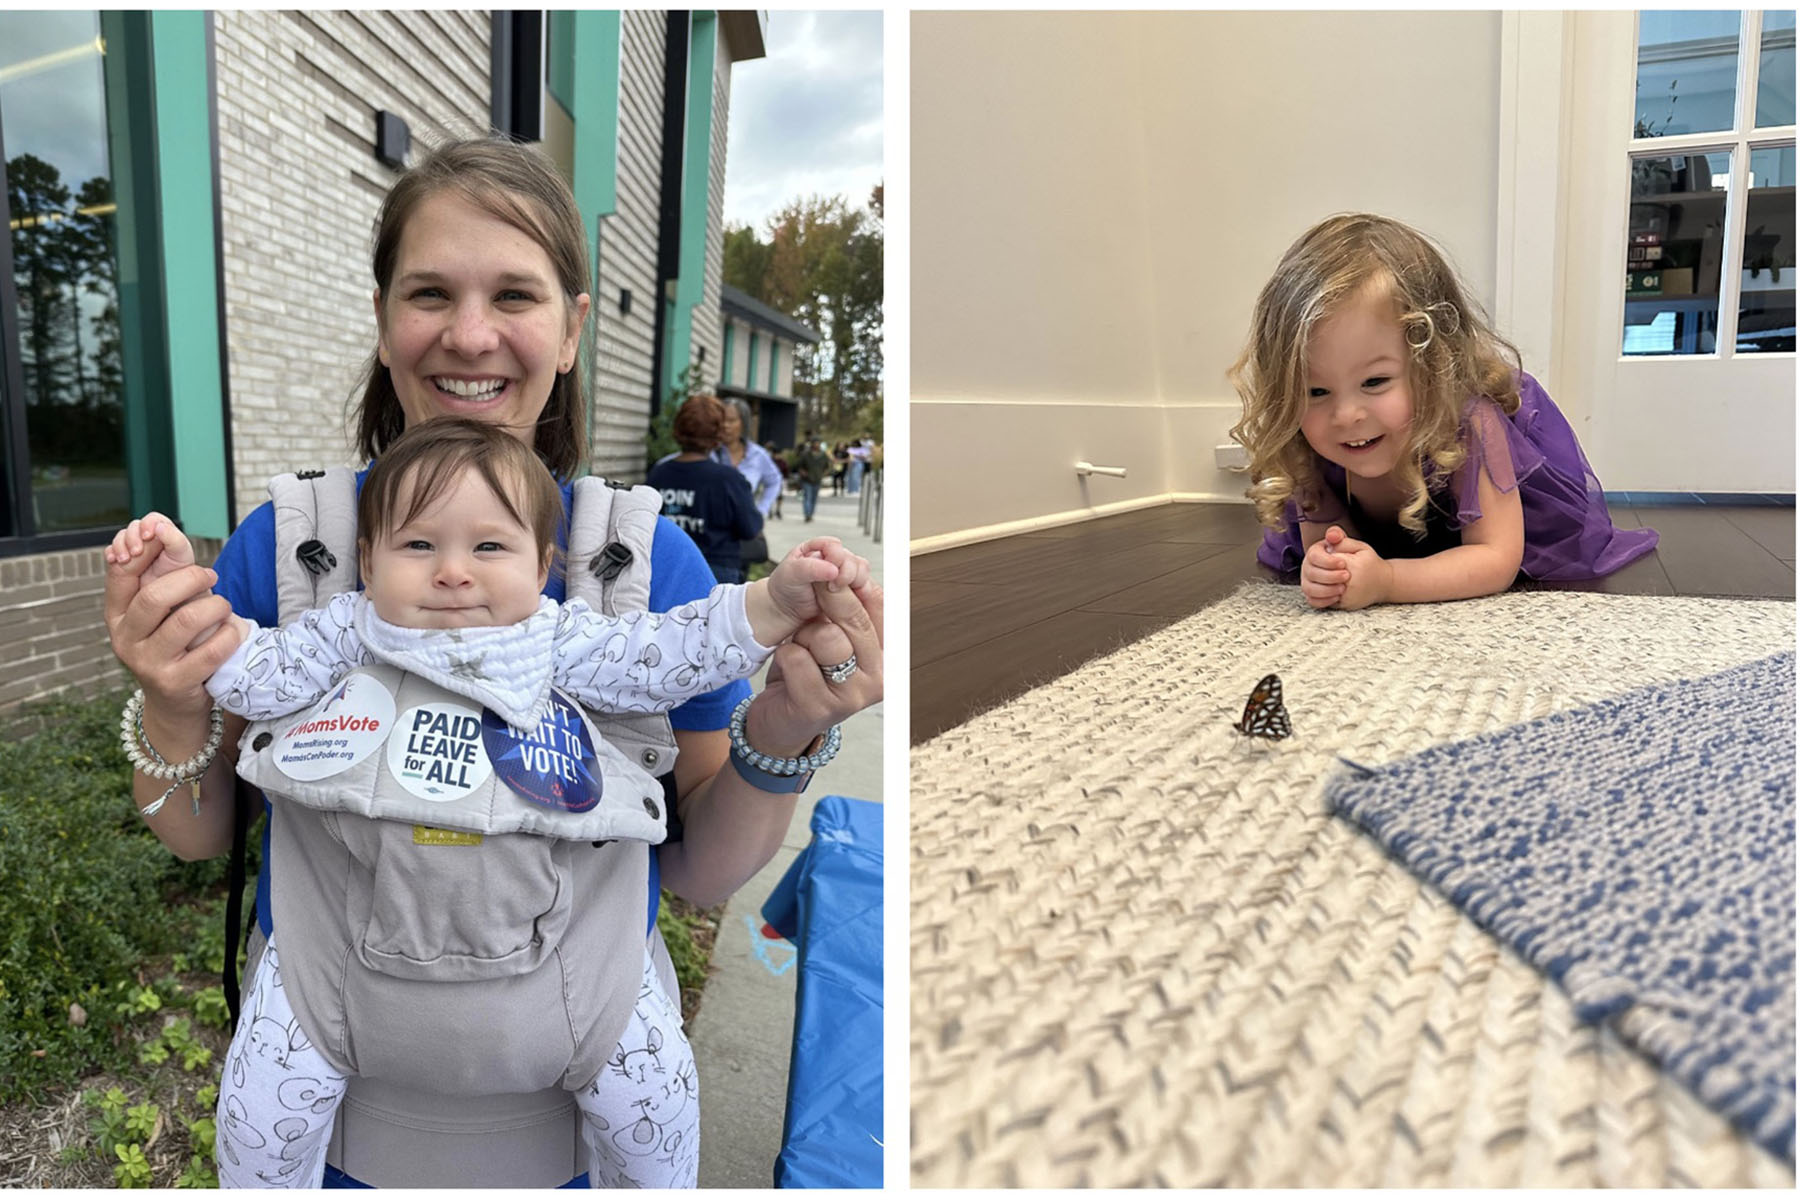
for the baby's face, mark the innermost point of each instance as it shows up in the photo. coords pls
(463, 561)
(1360, 407)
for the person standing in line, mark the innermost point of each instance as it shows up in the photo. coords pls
(709, 500)
(840, 466)
(812, 464)
(859, 462)
(781, 465)
(750, 460)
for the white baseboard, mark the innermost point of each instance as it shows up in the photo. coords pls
(987, 533)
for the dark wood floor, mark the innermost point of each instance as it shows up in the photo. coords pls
(993, 620)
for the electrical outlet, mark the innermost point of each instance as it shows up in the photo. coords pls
(1232, 457)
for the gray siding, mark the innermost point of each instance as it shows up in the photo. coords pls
(622, 355)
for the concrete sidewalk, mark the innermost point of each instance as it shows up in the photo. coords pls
(743, 1033)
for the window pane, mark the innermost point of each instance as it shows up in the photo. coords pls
(65, 267)
(1766, 309)
(1775, 77)
(1686, 73)
(1674, 262)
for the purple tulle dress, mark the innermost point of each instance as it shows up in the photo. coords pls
(1568, 532)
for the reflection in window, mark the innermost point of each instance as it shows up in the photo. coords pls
(65, 267)
(1766, 303)
(1775, 77)
(1674, 261)
(1686, 73)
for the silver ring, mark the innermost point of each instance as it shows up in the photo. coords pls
(841, 672)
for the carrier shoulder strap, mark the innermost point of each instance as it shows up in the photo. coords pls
(611, 527)
(315, 537)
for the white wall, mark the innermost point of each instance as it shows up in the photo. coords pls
(1098, 197)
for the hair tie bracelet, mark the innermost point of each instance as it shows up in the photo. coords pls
(771, 774)
(144, 757)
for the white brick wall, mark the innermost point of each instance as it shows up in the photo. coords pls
(299, 188)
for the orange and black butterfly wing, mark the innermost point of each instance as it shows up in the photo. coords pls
(1264, 715)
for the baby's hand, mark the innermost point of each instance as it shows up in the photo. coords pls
(146, 550)
(150, 547)
(789, 590)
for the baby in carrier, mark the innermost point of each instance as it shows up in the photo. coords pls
(436, 713)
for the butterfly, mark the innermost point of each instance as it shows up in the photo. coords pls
(1264, 714)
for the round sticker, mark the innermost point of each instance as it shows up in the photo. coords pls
(436, 752)
(553, 765)
(338, 733)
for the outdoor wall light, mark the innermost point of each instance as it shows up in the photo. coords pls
(392, 139)
(624, 302)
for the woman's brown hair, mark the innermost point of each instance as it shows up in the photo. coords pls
(517, 184)
(699, 424)
(1454, 353)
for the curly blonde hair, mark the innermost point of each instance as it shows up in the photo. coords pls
(1453, 354)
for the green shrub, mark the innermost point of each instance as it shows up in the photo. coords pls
(90, 895)
(689, 959)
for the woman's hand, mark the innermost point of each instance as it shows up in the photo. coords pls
(797, 702)
(153, 624)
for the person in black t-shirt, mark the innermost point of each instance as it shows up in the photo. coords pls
(709, 500)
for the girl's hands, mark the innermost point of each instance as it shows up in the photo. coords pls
(1341, 572)
(1323, 572)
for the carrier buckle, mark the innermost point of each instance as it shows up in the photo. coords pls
(315, 557)
(611, 560)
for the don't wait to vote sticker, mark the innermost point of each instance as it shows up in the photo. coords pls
(553, 765)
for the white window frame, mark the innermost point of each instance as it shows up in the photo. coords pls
(1738, 142)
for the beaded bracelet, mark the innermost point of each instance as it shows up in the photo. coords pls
(803, 764)
(143, 756)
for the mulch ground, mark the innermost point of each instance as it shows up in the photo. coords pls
(49, 1144)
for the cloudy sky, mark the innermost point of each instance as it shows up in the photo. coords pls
(806, 119)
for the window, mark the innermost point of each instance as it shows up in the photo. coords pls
(774, 361)
(1710, 261)
(63, 387)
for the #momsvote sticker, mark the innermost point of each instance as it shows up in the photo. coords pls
(436, 752)
(553, 765)
(341, 732)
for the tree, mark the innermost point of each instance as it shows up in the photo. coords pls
(822, 265)
(65, 267)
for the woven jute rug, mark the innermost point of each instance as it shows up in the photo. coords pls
(1144, 953)
(1638, 851)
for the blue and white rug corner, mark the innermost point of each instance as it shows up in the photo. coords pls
(1640, 851)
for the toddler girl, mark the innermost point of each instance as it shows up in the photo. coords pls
(458, 523)
(1400, 454)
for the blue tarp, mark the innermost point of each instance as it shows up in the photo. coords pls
(829, 905)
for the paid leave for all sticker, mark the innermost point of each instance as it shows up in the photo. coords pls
(444, 747)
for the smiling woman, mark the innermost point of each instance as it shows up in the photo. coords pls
(481, 288)
(481, 281)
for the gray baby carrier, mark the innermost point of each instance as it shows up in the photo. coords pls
(366, 959)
